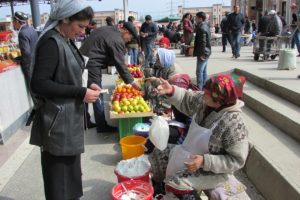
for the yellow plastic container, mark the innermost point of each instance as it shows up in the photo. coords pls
(132, 146)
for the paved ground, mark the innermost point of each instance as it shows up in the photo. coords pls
(20, 173)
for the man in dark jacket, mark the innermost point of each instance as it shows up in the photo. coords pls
(106, 47)
(235, 23)
(148, 33)
(263, 24)
(202, 48)
(27, 41)
(133, 45)
(262, 29)
(224, 30)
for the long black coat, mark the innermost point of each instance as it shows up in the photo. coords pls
(202, 45)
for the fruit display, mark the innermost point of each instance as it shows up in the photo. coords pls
(135, 71)
(127, 100)
(8, 52)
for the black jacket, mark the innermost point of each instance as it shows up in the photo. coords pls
(235, 22)
(263, 24)
(151, 29)
(224, 25)
(58, 125)
(202, 41)
(105, 47)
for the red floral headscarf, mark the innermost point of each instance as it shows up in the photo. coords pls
(224, 88)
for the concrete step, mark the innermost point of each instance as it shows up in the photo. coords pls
(278, 111)
(283, 92)
(273, 163)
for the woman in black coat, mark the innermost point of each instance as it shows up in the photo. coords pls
(58, 125)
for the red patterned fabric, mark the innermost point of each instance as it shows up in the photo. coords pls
(164, 42)
(181, 80)
(224, 88)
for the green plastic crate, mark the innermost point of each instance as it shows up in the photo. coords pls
(126, 125)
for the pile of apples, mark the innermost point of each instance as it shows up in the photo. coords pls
(127, 100)
(135, 71)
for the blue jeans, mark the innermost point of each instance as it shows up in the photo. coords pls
(98, 107)
(133, 52)
(296, 41)
(201, 72)
(148, 50)
(235, 38)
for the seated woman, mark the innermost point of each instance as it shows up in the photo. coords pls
(163, 67)
(164, 42)
(217, 140)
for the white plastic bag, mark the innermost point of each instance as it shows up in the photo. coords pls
(159, 132)
(178, 156)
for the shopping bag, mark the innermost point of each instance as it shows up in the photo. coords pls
(177, 157)
(159, 132)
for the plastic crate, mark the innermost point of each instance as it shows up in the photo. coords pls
(126, 126)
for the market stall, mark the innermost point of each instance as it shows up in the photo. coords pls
(128, 105)
(15, 101)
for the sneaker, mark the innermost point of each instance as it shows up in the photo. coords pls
(106, 129)
(298, 76)
(298, 55)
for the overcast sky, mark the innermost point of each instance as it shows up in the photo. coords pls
(157, 8)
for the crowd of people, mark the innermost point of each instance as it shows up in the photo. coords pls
(211, 107)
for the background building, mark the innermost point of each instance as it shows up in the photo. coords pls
(254, 8)
(215, 12)
(116, 14)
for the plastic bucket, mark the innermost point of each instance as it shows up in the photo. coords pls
(143, 190)
(132, 146)
(144, 177)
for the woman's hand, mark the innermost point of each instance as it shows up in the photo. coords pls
(196, 163)
(92, 94)
(164, 87)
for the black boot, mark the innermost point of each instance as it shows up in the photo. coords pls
(224, 49)
(159, 188)
(106, 129)
(190, 196)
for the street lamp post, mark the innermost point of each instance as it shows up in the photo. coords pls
(35, 11)
(12, 7)
(125, 5)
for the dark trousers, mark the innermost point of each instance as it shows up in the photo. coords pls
(62, 176)
(225, 38)
(98, 107)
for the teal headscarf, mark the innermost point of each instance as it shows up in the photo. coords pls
(166, 57)
(60, 10)
(63, 9)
